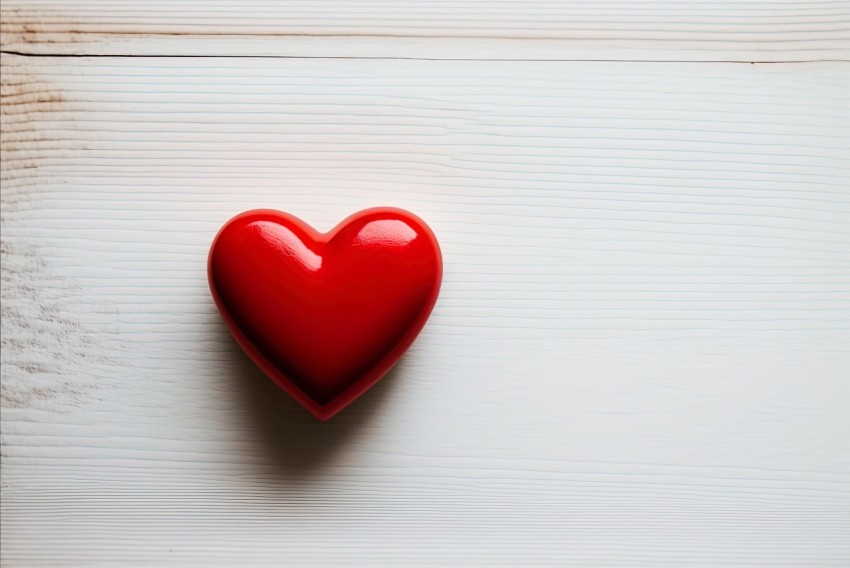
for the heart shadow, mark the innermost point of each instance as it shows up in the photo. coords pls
(294, 444)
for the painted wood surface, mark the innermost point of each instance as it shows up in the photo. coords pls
(639, 357)
(693, 30)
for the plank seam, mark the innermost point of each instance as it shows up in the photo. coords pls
(493, 59)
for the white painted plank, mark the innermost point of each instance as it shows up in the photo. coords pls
(639, 356)
(693, 30)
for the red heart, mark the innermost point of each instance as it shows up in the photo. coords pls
(325, 315)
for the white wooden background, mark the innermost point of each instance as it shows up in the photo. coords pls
(640, 354)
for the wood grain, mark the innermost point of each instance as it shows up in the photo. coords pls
(696, 30)
(639, 356)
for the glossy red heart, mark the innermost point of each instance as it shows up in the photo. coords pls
(325, 315)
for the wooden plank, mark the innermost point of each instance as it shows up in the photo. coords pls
(639, 356)
(697, 30)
